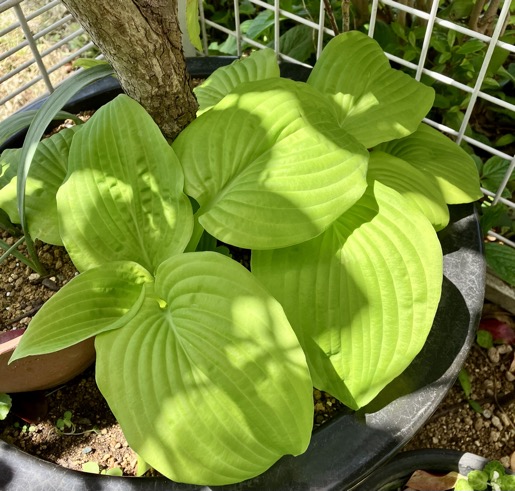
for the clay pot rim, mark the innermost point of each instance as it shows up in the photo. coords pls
(9, 340)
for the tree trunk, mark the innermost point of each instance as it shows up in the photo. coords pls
(141, 39)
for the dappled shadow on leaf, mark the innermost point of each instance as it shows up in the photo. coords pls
(437, 355)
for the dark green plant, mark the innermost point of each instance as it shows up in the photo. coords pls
(338, 191)
(296, 41)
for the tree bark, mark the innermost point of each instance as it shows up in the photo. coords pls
(141, 39)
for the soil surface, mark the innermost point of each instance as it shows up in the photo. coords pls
(72, 424)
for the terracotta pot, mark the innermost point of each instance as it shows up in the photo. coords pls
(44, 371)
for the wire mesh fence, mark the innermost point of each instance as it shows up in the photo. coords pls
(38, 41)
(428, 39)
(465, 50)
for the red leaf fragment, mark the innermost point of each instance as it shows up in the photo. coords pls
(500, 331)
(425, 481)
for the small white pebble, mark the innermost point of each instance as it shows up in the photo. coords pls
(497, 423)
(504, 349)
(494, 436)
(505, 419)
(494, 355)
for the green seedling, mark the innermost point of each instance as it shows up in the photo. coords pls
(94, 468)
(464, 380)
(25, 428)
(65, 423)
(492, 477)
(484, 339)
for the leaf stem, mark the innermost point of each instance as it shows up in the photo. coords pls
(198, 230)
(12, 250)
(37, 266)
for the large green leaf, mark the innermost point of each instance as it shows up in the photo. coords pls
(501, 258)
(298, 42)
(192, 23)
(418, 187)
(9, 160)
(46, 174)
(375, 102)
(361, 296)
(45, 114)
(123, 198)
(260, 65)
(269, 165)
(95, 301)
(208, 381)
(435, 154)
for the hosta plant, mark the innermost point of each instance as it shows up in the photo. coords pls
(336, 188)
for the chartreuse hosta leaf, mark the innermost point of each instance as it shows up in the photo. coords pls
(259, 65)
(208, 380)
(46, 174)
(123, 199)
(418, 187)
(435, 154)
(9, 160)
(361, 296)
(269, 165)
(375, 102)
(95, 301)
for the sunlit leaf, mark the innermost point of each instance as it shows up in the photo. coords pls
(375, 102)
(211, 385)
(260, 65)
(434, 153)
(269, 166)
(47, 173)
(95, 301)
(192, 22)
(123, 198)
(416, 186)
(361, 296)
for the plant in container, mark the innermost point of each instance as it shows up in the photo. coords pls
(336, 188)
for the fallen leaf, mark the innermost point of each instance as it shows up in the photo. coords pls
(500, 331)
(425, 481)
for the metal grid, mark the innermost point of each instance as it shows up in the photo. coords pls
(320, 32)
(27, 14)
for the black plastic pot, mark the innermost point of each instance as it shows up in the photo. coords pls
(396, 473)
(348, 449)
